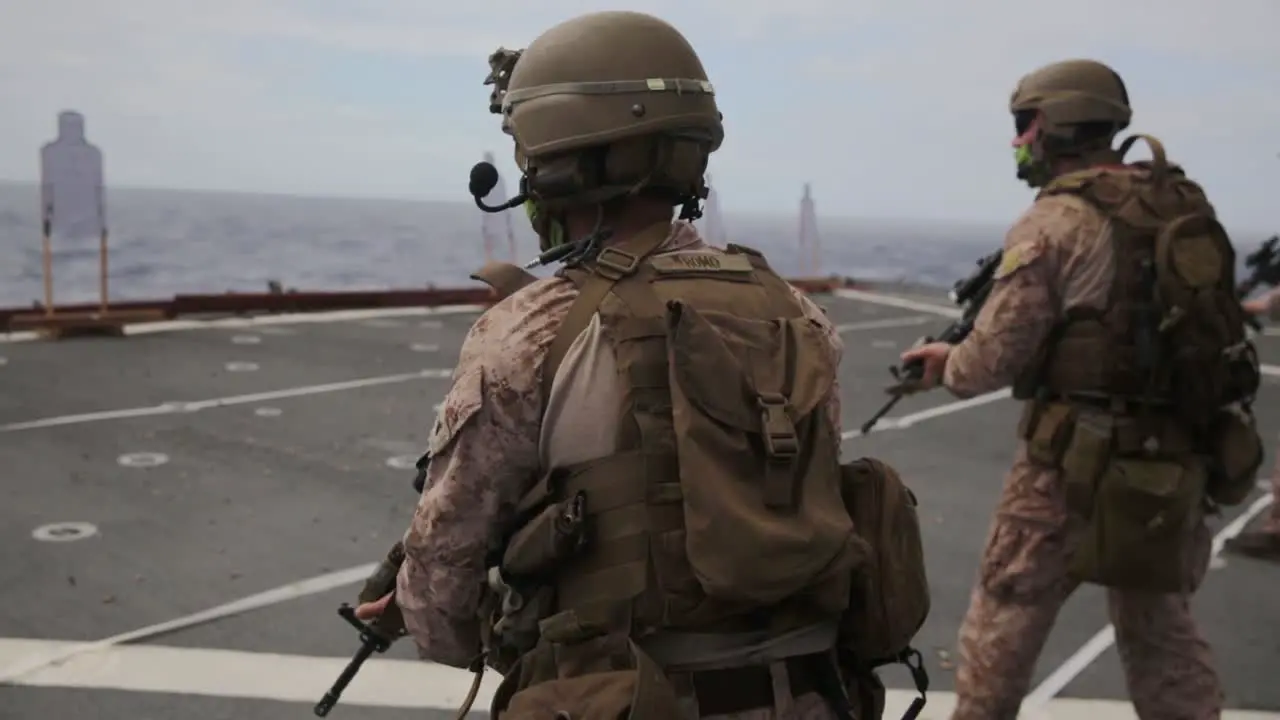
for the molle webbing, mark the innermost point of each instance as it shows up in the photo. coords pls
(611, 265)
(624, 505)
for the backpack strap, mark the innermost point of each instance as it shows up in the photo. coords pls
(1081, 182)
(505, 279)
(594, 281)
(1159, 165)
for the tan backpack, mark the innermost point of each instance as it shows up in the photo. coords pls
(1200, 356)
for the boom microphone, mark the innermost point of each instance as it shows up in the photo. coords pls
(484, 178)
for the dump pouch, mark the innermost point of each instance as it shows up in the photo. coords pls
(758, 469)
(1237, 455)
(1142, 527)
(585, 673)
(890, 598)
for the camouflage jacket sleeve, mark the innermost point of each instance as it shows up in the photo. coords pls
(836, 347)
(1023, 305)
(484, 455)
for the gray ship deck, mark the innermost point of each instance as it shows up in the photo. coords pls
(256, 467)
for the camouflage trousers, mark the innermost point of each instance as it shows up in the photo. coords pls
(1023, 583)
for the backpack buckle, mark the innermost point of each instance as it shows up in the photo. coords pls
(779, 433)
(619, 264)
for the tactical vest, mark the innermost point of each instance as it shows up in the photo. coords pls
(504, 279)
(1165, 374)
(721, 532)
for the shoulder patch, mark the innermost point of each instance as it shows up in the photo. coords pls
(1010, 261)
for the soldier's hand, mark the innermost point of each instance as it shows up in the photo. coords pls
(383, 616)
(933, 358)
(1256, 306)
(370, 610)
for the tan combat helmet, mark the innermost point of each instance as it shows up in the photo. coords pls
(1071, 93)
(1081, 104)
(604, 105)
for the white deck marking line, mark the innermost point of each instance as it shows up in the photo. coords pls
(905, 421)
(279, 319)
(1106, 637)
(885, 323)
(65, 651)
(196, 405)
(951, 312)
(386, 683)
(892, 301)
(1272, 370)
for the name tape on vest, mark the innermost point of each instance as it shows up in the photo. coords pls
(701, 262)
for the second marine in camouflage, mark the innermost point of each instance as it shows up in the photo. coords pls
(1106, 485)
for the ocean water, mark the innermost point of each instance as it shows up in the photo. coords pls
(165, 242)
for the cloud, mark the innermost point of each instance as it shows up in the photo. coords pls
(891, 107)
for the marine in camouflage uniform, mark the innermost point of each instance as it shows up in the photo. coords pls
(1264, 542)
(1058, 261)
(508, 419)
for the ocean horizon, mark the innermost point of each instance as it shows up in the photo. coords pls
(166, 242)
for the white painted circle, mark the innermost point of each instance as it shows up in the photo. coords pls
(241, 366)
(142, 459)
(382, 323)
(1217, 562)
(403, 462)
(268, 412)
(424, 347)
(246, 339)
(883, 344)
(431, 324)
(64, 532)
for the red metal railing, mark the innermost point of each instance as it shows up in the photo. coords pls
(240, 303)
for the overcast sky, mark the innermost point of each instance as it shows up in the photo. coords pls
(892, 108)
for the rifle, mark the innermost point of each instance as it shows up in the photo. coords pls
(970, 294)
(378, 635)
(375, 636)
(1264, 269)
